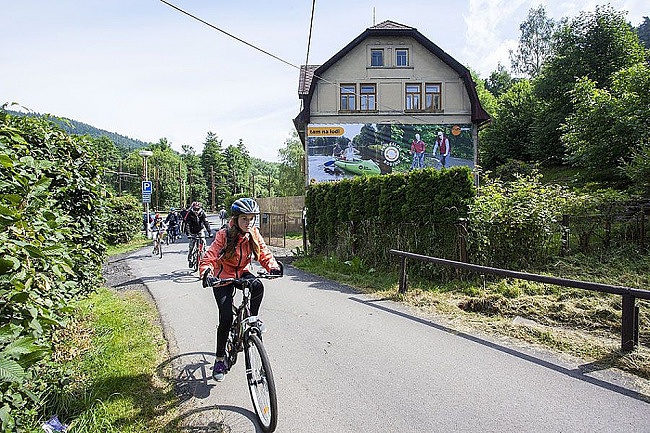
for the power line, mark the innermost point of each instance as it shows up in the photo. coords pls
(229, 34)
(278, 58)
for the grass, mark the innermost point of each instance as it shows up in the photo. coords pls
(571, 321)
(138, 242)
(108, 360)
(111, 352)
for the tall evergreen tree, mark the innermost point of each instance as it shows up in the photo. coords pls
(213, 161)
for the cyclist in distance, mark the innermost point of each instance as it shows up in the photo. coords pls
(195, 222)
(172, 222)
(157, 227)
(229, 256)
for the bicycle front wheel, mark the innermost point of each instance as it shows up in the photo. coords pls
(160, 249)
(260, 383)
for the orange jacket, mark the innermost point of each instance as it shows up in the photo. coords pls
(236, 265)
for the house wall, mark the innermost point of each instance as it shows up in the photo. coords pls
(423, 67)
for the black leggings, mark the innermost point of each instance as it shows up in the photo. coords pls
(224, 297)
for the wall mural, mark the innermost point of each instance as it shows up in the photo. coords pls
(338, 151)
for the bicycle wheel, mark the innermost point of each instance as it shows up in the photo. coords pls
(195, 258)
(260, 383)
(160, 249)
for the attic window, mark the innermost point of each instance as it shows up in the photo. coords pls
(401, 57)
(377, 57)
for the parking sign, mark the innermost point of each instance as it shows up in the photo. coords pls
(146, 187)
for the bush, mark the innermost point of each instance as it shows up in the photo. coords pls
(123, 219)
(51, 251)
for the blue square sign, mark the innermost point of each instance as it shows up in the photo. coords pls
(146, 187)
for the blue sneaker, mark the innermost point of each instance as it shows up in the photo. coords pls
(219, 371)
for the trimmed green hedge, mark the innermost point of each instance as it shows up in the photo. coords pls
(366, 216)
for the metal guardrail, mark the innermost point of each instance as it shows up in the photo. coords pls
(629, 307)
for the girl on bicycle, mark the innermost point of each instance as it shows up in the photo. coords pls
(229, 256)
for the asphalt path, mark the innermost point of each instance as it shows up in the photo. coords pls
(346, 362)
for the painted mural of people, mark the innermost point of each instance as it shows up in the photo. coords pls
(417, 150)
(442, 146)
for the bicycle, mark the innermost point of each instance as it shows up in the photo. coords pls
(245, 335)
(172, 234)
(198, 250)
(157, 243)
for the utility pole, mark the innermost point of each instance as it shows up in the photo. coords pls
(269, 184)
(157, 188)
(212, 180)
(190, 185)
(252, 185)
(180, 185)
(119, 179)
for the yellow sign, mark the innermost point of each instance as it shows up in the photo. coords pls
(325, 131)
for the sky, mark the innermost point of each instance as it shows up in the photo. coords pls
(143, 69)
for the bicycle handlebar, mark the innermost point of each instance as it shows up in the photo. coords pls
(238, 282)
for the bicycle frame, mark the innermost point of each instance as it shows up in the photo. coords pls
(245, 335)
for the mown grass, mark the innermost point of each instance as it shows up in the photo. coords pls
(572, 321)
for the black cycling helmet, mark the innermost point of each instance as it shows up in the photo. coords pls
(244, 205)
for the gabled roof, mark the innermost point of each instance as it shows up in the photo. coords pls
(391, 29)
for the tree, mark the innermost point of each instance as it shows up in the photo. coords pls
(644, 32)
(238, 162)
(509, 136)
(593, 45)
(608, 133)
(291, 173)
(212, 160)
(196, 189)
(535, 43)
(499, 82)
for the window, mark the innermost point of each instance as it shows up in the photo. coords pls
(376, 57)
(413, 92)
(348, 95)
(432, 97)
(368, 97)
(401, 57)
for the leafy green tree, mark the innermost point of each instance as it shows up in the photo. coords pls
(264, 177)
(509, 136)
(608, 133)
(535, 43)
(212, 160)
(499, 82)
(594, 45)
(488, 100)
(291, 173)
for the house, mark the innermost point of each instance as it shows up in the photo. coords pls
(387, 88)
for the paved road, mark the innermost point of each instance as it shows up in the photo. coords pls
(345, 362)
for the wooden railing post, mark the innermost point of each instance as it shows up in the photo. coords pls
(402, 275)
(628, 322)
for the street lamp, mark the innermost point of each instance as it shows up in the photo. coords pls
(145, 154)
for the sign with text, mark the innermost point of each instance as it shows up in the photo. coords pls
(339, 151)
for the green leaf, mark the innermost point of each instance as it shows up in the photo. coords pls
(10, 371)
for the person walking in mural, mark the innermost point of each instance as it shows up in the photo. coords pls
(417, 150)
(442, 145)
